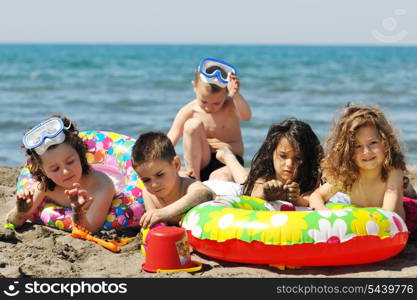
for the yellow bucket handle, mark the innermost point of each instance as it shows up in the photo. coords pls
(193, 269)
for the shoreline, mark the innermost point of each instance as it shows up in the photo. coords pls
(39, 251)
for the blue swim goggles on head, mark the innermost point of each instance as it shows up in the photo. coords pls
(215, 71)
(44, 135)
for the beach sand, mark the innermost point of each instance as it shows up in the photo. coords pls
(39, 251)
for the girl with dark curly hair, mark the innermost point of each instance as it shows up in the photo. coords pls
(286, 166)
(58, 164)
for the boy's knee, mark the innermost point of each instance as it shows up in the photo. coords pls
(193, 125)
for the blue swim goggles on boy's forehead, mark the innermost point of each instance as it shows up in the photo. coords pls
(215, 71)
(44, 135)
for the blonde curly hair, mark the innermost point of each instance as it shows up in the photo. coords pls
(338, 166)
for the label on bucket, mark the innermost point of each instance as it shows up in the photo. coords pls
(183, 250)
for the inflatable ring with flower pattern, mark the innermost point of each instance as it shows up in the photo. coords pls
(250, 230)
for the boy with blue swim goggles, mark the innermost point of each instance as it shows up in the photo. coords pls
(215, 71)
(44, 135)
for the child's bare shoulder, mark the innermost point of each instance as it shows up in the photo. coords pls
(100, 176)
(99, 180)
(395, 172)
(188, 109)
(193, 184)
(189, 106)
(197, 185)
(395, 175)
(188, 182)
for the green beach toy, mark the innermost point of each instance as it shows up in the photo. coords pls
(9, 225)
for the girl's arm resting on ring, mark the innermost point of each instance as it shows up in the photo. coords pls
(393, 196)
(320, 196)
(304, 199)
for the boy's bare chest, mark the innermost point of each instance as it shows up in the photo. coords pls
(368, 195)
(219, 124)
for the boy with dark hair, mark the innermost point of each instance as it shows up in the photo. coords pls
(167, 195)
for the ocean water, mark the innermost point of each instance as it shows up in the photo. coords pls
(130, 89)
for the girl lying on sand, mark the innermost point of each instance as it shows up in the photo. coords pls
(57, 160)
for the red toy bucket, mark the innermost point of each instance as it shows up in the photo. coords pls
(167, 250)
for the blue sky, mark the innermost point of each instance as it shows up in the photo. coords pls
(376, 22)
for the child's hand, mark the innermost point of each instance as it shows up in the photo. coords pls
(79, 200)
(293, 191)
(190, 173)
(274, 190)
(152, 217)
(215, 144)
(233, 85)
(222, 151)
(24, 200)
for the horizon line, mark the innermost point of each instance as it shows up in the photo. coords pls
(209, 44)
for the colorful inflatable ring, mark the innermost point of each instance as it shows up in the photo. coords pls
(250, 230)
(108, 152)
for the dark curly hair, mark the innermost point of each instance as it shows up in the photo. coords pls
(34, 161)
(338, 166)
(305, 142)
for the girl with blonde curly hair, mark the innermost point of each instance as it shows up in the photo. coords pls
(363, 159)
